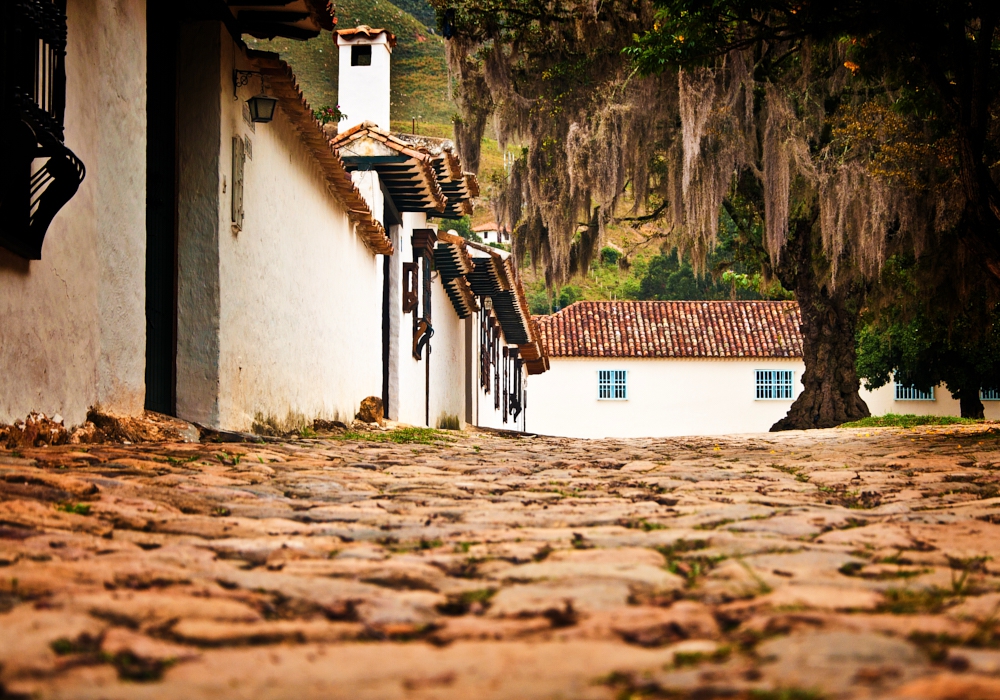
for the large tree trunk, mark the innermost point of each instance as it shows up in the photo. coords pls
(970, 403)
(829, 315)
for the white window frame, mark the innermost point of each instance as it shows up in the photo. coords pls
(908, 393)
(774, 384)
(989, 394)
(612, 385)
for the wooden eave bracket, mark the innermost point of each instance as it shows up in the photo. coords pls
(421, 160)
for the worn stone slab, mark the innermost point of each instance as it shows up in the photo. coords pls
(853, 564)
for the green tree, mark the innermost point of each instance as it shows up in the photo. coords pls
(668, 278)
(815, 144)
(938, 58)
(463, 227)
(931, 333)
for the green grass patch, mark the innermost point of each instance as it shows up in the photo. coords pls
(714, 524)
(680, 561)
(693, 658)
(467, 601)
(420, 436)
(786, 694)
(906, 601)
(75, 508)
(907, 420)
(793, 471)
(641, 524)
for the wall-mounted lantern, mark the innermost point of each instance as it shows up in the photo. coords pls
(261, 106)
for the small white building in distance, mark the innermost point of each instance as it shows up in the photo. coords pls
(667, 368)
(492, 233)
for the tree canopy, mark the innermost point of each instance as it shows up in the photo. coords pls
(926, 331)
(844, 131)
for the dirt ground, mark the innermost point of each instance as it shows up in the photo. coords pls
(842, 563)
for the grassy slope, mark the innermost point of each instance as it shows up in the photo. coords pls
(419, 73)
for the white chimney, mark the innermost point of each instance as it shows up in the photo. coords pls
(363, 87)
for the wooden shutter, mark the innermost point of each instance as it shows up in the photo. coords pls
(239, 161)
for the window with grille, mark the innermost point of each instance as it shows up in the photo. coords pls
(612, 384)
(911, 393)
(775, 383)
(989, 394)
(39, 174)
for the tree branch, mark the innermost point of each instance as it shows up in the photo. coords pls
(648, 217)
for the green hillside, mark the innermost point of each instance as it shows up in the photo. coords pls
(421, 10)
(419, 83)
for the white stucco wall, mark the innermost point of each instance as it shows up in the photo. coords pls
(682, 397)
(447, 358)
(282, 319)
(73, 328)
(200, 200)
(484, 411)
(407, 376)
(883, 400)
(665, 397)
(408, 384)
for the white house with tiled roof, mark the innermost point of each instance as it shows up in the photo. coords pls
(659, 368)
(664, 368)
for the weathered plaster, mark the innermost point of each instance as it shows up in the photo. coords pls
(300, 295)
(411, 373)
(396, 319)
(201, 90)
(73, 331)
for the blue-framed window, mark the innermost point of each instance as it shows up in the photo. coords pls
(911, 393)
(612, 384)
(989, 394)
(775, 383)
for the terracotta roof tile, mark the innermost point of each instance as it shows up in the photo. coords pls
(673, 329)
(281, 83)
(368, 32)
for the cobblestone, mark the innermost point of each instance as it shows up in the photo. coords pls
(840, 564)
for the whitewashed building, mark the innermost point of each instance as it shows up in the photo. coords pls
(192, 243)
(666, 368)
(491, 232)
(177, 276)
(439, 290)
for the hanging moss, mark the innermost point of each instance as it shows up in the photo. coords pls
(591, 130)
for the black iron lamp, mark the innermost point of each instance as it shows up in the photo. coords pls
(261, 106)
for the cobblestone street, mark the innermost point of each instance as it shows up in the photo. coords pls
(843, 563)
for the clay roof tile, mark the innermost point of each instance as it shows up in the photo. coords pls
(673, 329)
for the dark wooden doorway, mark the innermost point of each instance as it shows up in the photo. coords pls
(162, 26)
